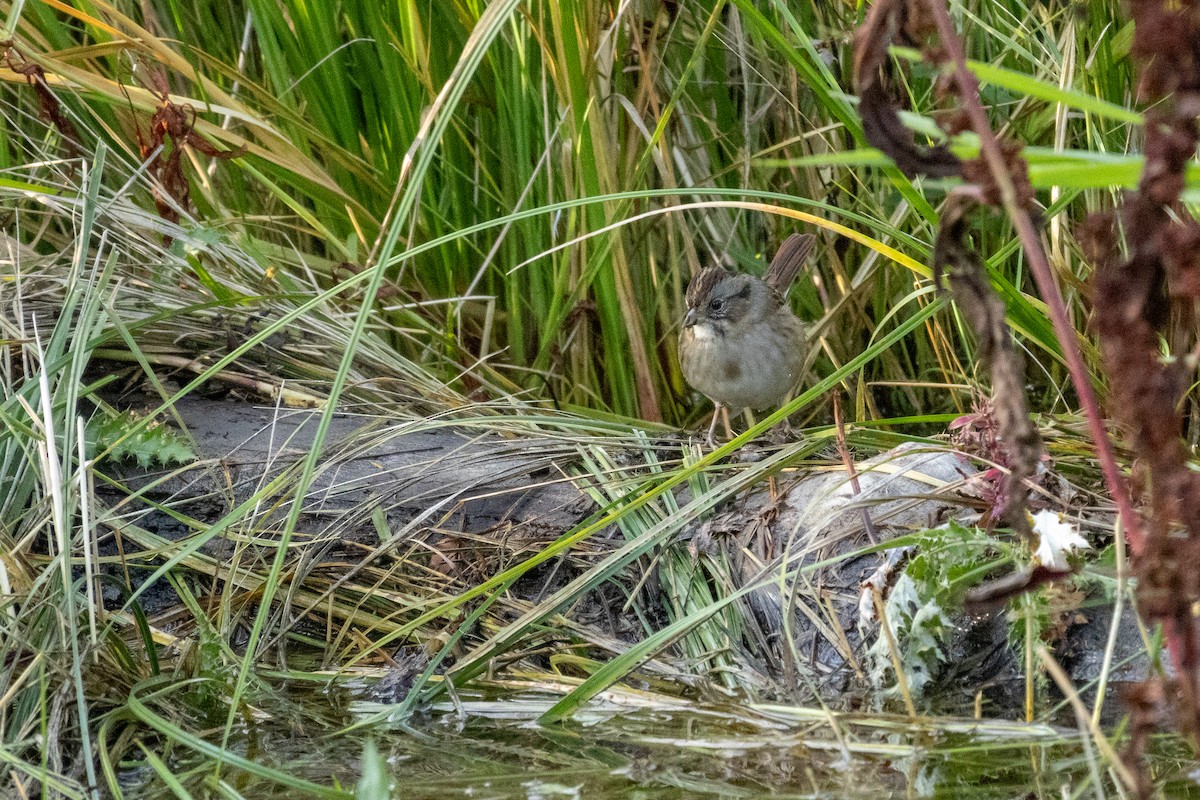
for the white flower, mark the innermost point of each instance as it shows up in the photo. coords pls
(1056, 540)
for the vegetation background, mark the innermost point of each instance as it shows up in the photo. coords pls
(483, 212)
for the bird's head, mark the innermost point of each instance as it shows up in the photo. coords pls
(720, 302)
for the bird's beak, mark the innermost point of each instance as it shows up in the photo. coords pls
(689, 319)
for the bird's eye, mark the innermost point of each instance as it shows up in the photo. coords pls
(717, 304)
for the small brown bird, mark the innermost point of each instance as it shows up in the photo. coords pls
(741, 346)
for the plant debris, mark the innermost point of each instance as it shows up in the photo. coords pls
(894, 22)
(1022, 446)
(908, 21)
(164, 161)
(1134, 298)
(49, 106)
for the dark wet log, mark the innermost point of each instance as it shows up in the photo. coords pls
(437, 485)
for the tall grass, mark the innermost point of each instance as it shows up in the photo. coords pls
(587, 99)
(484, 213)
(579, 99)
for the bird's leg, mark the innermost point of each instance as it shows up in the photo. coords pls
(781, 433)
(713, 427)
(725, 418)
(776, 435)
(785, 428)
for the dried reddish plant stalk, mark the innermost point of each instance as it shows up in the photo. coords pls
(1148, 706)
(51, 110)
(980, 304)
(894, 22)
(909, 22)
(1134, 297)
(1007, 181)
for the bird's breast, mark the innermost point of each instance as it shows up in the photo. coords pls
(753, 367)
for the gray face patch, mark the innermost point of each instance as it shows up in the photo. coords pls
(728, 300)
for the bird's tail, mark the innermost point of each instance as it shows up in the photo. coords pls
(788, 261)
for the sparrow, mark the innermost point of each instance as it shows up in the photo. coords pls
(741, 346)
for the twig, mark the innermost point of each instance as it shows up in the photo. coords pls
(885, 630)
(848, 462)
